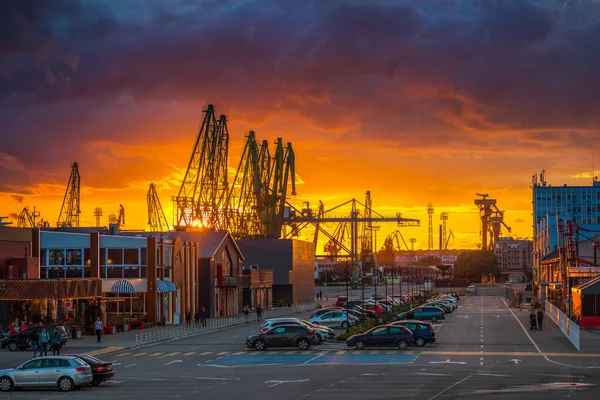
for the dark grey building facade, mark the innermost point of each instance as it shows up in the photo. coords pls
(292, 262)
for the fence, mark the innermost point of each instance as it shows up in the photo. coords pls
(161, 334)
(568, 327)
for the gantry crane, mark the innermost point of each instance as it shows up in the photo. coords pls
(485, 212)
(27, 219)
(451, 235)
(157, 221)
(302, 219)
(496, 223)
(117, 220)
(203, 192)
(69, 211)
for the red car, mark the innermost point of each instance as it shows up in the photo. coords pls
(374, 307)
(341, 300)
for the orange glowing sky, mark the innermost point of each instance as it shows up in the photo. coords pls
(416, 101)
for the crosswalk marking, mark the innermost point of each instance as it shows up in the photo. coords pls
(190, 353)
(239, 353)
(139, 354)
(170, 354)
(123, 354)
(206, 353)
(158, 353)
(222, 353)
(391, 352)
(375, 352)
(339, 353)
(289, 352)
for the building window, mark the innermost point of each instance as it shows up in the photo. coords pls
(73, 257)
(43, 257)
(56, 257)
(115, 256)
(87, 256)
(74, 272)
(130, 257)
(115, 272)
(102, 256)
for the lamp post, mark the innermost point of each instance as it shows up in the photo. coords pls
(347, 300)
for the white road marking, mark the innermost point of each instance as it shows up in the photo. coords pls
(314, 358)
(218, 341)
(516, 361)
(277, 383)
(210, 378)
(371, 374)
(116, 364)
(565, 376)
(499, 375)
(447, 362)
(450, 387)
(130, 365)
(173, 362)
(429, 374)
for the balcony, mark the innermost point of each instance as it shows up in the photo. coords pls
(260, 278)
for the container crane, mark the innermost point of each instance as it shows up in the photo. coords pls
(157, 221)
(70, 210)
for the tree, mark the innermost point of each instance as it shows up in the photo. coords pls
(473, 264)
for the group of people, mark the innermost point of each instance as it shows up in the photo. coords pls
(537, 321)
(199, 317)
(258, 312)
(42, 340)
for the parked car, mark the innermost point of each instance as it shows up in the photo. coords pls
(443, 305)
(20, 341)
(368, 313)
(63, 372)
(323, 332)
(322, 311)
(101, 370)
(424, 313)
(335, 319)
(283, 336)
(341, 300)
(472, 289)
(382, 336)
(453, 294)
(423, 332)
(3, 336)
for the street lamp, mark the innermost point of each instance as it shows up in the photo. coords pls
(347, 300)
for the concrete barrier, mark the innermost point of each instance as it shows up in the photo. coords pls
(568, 327)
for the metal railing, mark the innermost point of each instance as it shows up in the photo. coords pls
(174, 332)
(566, 325)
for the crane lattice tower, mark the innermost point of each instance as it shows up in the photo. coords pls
(69, 212)
(444, 218)
(430, 210)
(97, 214)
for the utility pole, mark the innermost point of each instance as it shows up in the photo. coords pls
(430, 211)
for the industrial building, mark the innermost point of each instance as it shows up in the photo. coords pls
(563, 217)
(292, 262)
(515, 257)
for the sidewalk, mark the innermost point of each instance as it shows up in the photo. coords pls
(551, 339)
(135, 338)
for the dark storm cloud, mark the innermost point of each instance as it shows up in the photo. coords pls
(437, 72)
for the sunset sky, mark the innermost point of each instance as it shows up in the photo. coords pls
(417, 101)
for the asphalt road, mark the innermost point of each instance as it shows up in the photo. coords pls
(483, 352)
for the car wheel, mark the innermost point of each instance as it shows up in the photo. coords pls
(303, 344)
(260, 345)
(66, 384)
(434, 319)
(402, 344)
(6, 384)
(12, 346)
(359, 345)
(344, 325)
(420, 342)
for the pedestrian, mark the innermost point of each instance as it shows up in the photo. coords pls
(23, 327)
(197, 317)
(203, 316)
(540, 319)
(56, 343)
(188, 318)
(34, 338)
(321, 295)
(533, 326)
(258, 313)
(44, 339)
(12, 330)
(246, 312)
(98, 325)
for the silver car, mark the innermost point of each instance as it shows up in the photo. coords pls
(334, 319)
(63, 372)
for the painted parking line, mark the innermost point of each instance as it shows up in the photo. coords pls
(307, 358)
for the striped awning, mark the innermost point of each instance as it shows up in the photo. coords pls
(161, 286)
(171, 285)
(122, 286)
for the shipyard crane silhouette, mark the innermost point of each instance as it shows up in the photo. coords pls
(70, 209)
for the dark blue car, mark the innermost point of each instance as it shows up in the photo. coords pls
(384, 336)
(423, 332)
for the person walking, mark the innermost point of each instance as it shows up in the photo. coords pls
(540, 319)
(99, 326)
(44, 339)
(246, 312)
(197, 317)
(203, 316)
(56, 343)
(23, 327)
(533, 326)
(188, 318)
(12, 330)
(34, 338)
(258, 313)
